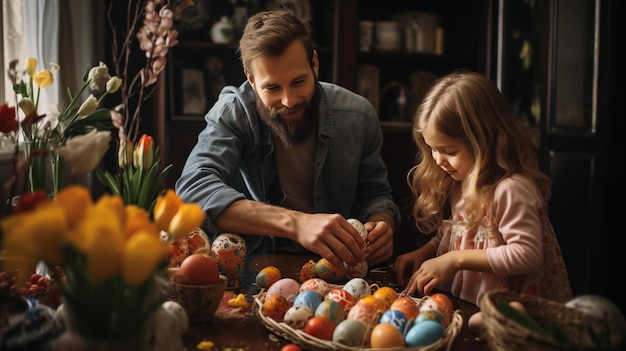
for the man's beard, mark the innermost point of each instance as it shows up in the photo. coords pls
(295, 131)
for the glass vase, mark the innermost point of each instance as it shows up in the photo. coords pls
(46, 168)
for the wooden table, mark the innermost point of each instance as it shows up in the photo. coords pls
(249, 334)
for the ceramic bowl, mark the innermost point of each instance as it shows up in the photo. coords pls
(199, 301)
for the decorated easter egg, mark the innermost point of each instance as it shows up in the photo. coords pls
(319, 286)
(358, 288)
(407, 306)
(275, 307)
(344, 298)
(397, 319)
(374, 302)
(230, 252)
(359, 227)
(441, 303)
(386, 294)
(331, 310)
(307, 271)
(267, 276)
(308, 299)
(424, 333)
(286, 287)
(297, 316)
(365, 313)
(350, 332)
(329, 272)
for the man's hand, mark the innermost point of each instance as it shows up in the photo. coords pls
(379, 241)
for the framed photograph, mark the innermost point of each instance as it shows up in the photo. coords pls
(368, 84)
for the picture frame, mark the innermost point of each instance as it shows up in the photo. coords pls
(188, 98)
(368, 84)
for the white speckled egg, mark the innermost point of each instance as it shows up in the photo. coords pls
(350, 332)
(297, 316)
(358, 287)
(286, 287)
(358, 226)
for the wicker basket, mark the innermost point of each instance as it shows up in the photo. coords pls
(504, 333)
(309, 342)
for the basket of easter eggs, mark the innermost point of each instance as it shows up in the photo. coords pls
(356, 316)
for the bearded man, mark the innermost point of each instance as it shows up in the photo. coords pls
(285, 159)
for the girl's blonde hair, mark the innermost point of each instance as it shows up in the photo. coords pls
(469, 106)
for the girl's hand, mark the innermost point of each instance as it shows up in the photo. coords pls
(408, 263)
(432, 273)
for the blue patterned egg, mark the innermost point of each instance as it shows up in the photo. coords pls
(397, 319)
(331, 310)
(308, 299)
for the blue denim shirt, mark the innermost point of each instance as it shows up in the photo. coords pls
(234, 158)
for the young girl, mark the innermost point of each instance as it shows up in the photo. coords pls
(477, 157)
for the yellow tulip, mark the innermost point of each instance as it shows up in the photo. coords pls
(31, 65)
(76, 200)
(188, 218)
(113, 203)
(89, 105)
(165, 208)
(138, 220)
(143, 156)
(142, 254)
(47, 227)
(104, 246)
(125, 154)
(113, 84)
(43, 78)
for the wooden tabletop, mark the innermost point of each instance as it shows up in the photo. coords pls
(248, 333)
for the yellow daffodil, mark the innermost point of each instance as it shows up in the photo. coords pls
(43, 79)
(89, 105)
(31, 65)
(84, 152)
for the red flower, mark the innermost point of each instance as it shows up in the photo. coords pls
(8, 120)
(32, 118)
(29, 201)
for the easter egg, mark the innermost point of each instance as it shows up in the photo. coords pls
(397, 319)
(320, 327)
(329, 272)
(365, 313)
(267, 276)
(275, 307)
(308, 299)
(344, 298)
(407, 306)
(424, 333)
(373, 301)
(297, 316)
(198, 269)
(319, 286)
(350, 332)
(286, 287)
(442, 304)
(386, 294)
(331, 310)
(307, 271)
(386, 336)
(358, 288)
